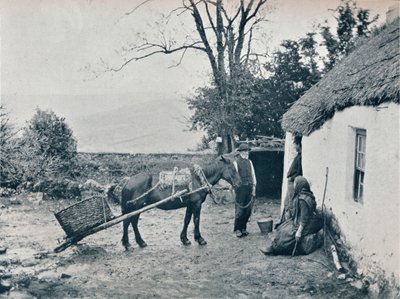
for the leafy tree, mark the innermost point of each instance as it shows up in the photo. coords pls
(9, 171)
(352, 22)
(48, 147)
(293, 70)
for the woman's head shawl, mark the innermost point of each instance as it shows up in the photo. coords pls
(301, 186)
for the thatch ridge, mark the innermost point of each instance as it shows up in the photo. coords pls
(368, 76)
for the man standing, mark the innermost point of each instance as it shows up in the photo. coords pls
(245, 192)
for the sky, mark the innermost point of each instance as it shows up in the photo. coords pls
(46, 47)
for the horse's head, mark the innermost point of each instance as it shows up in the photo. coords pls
(229, 171)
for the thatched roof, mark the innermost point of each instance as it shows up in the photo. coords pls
(265, 143)
(368, 76)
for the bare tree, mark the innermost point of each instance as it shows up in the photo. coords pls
(224, 33)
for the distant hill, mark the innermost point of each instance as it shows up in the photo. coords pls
(116, 123)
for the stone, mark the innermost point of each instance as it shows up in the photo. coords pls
(29, 263)
(358, 284)
(375, 289)
(35, 197)
(64, 275)
(5, 285)
(342, 276)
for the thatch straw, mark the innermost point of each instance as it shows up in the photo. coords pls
(368, 76)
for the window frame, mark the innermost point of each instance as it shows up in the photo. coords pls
(359, 164)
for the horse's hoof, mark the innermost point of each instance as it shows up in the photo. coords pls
(143, 245)
(128, 247)
(186, 242)
(201, 241)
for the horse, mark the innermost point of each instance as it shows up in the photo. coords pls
(139, 191)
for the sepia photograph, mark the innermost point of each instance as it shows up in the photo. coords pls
(200, 149)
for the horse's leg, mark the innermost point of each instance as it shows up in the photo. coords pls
(125, 236)
(138, 237)
(196, 220)
(188, 216)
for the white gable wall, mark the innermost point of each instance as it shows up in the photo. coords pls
(371, 228)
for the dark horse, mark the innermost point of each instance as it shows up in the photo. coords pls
(221, 167)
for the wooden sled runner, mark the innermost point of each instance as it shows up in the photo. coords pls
(92, 215)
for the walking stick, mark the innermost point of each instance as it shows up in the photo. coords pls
(294, 249)
(323, 209)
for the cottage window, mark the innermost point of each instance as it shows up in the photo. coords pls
(359, 167)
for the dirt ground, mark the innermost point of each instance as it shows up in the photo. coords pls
(99, 267)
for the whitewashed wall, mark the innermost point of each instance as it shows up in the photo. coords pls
(372, 228)
(290, 154)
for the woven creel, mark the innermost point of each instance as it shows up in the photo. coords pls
(84, 215)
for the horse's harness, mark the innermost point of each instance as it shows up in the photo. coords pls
(197, 170)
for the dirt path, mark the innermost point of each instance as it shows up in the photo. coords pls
(227, 267)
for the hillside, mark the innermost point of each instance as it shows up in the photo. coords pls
(147, 127)
(119, 123)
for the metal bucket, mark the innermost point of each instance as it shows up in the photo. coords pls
(265, 225)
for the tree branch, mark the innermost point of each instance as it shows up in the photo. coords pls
(259, 5)
(209, 17)
(133, 10)
(203, 36)
(163, 49)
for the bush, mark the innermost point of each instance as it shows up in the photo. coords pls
(47, 149)
(9, 170)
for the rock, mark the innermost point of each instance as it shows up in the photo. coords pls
(358, 284)
(4, 261)
(64, 275)
(15, 201)
(6, 276)
(44, 254)
(29, 263)
(36, 197)
(47, 276)
(342, 276)
(329, 275)
(375, 289)
(242, 295)
(5, 285)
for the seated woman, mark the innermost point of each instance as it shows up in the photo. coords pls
(301, 226)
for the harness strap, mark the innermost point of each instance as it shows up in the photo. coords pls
(200, 173)
(144, 194)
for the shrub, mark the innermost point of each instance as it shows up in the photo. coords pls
(47, 149)
(10, 175)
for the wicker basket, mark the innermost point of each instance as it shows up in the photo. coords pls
(84, 215)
